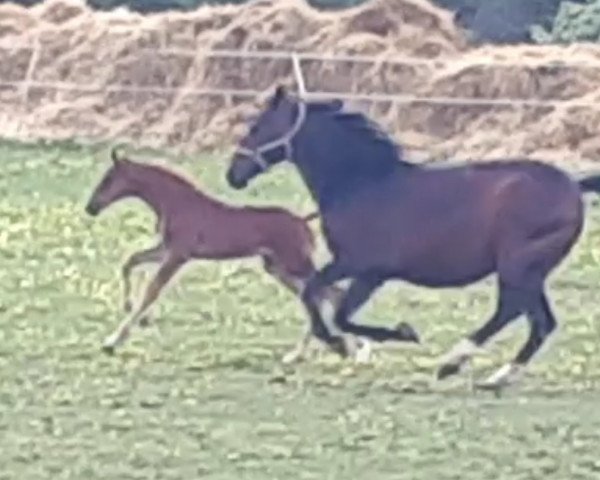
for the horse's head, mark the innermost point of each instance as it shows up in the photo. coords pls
(114, 185)
(269, 139)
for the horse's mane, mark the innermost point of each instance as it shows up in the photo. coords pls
(360, 124)
(385, 153)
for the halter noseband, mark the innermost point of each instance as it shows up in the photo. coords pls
(257, 154)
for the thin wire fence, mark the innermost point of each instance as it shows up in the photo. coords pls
(26, 84)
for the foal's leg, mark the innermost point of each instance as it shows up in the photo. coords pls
(165, 272)
(295, 284)
(356, 296)
(509, 307)
(151, 255)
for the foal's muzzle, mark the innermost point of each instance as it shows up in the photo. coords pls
(92, 209)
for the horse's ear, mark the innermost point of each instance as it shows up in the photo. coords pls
(337, 104)
(280, 94)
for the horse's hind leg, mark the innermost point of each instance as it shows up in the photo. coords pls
(542, 323)
(165, 272)
(509, 307)
(526, 270)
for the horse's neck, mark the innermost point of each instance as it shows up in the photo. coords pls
(330, 179)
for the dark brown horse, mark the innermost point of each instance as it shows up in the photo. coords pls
(194, 226)
(385, 218)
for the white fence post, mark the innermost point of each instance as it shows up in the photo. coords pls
(33, 61)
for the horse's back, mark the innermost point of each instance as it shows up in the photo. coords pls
(443, 226)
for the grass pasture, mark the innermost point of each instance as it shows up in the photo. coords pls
(201, 393)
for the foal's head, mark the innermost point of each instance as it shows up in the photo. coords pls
(269, 139)
(115, 185)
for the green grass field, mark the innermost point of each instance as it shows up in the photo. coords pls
(202, 393)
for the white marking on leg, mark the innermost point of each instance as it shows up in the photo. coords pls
(328, 313)
(460, 353)
(468, 366)
(328, 307)
(504, 376)
(363, 354)
(299, 350)
(292, 356)
(118, 337)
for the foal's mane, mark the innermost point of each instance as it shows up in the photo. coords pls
(162, 173)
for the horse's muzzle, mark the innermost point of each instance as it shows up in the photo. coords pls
(235, 181)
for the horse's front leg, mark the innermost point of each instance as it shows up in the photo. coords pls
(167, 269)
(311, 295)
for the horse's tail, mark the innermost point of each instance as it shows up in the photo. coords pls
(311, 216)
(590, 184)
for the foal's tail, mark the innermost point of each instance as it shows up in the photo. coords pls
(590, 184)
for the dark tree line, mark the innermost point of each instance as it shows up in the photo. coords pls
(494, 21)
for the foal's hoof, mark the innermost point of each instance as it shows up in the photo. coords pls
(144, 322)
(108, 349)
(447, 370)
(406, 333)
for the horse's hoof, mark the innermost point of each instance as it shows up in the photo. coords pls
(406, 333)
(144, 322)
(338, 345)
(495, 388)
(488, 386)
(447, 370)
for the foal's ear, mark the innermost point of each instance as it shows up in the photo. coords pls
(114, 155)
(117, 157)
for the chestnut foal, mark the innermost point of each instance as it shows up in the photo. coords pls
(193, 225)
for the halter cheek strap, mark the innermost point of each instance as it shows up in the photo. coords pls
(257, 154)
